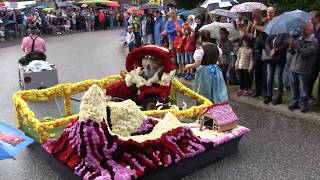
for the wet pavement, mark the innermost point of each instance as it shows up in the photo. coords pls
(278, 147)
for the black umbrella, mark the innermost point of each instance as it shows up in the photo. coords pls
(148, 6)
(4, 10)
(195, 11)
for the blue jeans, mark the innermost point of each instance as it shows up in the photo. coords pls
(188, 59)
(274, 69)
(224, 68)
(180, 58)
(260, 74)
(131, 46)
(300, 84)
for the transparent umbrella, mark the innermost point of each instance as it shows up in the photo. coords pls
(215, 27)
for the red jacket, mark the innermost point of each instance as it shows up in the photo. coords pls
(190, 44)
(178, 44)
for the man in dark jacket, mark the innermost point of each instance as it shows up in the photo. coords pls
(149, 28)
(258, 37)
(275, 48)
(303, 60)
(315, 20)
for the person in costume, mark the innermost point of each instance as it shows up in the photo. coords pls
(208, 80)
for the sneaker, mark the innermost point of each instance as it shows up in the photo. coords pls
(188, 78)
(186, 75)
(293, 107)
(267, 100)
(245, 93)
(277, 101)
(304, 109)
(239, 92)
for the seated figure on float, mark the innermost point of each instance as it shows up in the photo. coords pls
(148, 75)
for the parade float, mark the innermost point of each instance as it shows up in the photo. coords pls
(104, 140)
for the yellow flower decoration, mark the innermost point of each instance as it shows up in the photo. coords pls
(25, 116)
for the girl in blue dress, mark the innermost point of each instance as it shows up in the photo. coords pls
(208, 80)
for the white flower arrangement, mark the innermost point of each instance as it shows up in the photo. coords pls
(167, 78)
(168, 123)
(126, 117)
(93, 105)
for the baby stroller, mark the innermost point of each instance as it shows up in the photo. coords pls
(35, 73)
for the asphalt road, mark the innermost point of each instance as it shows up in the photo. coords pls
(276, 148)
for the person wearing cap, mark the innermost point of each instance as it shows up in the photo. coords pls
(130, 38)
(33, 46)
(39, 43)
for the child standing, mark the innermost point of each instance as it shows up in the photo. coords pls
(189, 48)
(179, 46)
(226, 46)
(67, 26)
(130, 39)
(208, 80)
(2, 35)
(244, 65)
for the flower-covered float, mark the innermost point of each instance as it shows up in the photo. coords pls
(147, 78)
(116, 140)
(162, 89)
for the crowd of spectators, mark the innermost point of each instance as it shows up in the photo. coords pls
(14, 24)
(257, 62)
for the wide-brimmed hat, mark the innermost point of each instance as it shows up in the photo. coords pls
(33, 29)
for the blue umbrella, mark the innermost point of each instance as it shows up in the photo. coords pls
(287, 22)
(12, 141)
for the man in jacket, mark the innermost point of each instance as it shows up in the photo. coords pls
(158, 27)
(305, 57)
(275, 47)
(136, 25)
(315, 20)
(147, 28)
(171, 25)
(258, 37)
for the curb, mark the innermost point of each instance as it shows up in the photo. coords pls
(311, 117)
(282, 109)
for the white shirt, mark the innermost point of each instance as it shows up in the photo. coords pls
(130, 38)
(199, 53)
